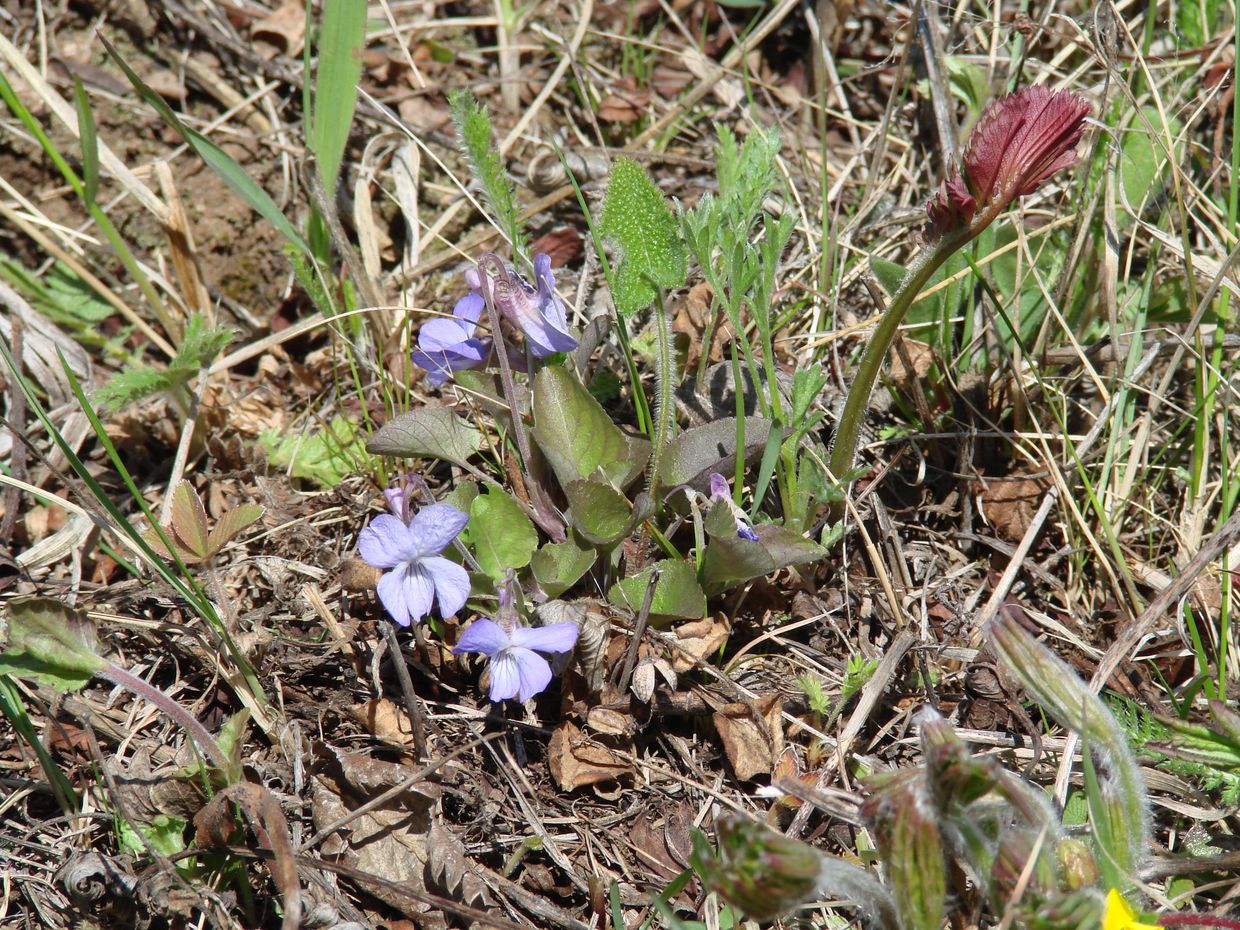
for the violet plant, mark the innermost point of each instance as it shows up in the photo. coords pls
(967, 810)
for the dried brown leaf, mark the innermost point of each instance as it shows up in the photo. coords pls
(751, 744)
(578, 760)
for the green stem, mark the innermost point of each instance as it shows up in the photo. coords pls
(665, 385)
(844, 446)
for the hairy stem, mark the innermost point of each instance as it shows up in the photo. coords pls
(148, 692)
(844, 446)
(664, 403)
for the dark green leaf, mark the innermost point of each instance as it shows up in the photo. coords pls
(573, 431)
(697, 452)
(429, 432)
(601, 514)
(730, 560)
(90, 143)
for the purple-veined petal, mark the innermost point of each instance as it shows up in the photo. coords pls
(419, 589)
(505, 676)
(385, 542)
(718, 486)
(533, 670)
(451, 583)
(558, 637)
(433, 527)
(484, 636)
(395, 498)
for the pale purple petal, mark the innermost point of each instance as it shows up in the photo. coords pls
(468, 309)
(533, 670)
(439, 334)
(395, 498)
(505, 676)
(386, 542)
(435, 526)
(451, 583)
(718, 486)
(548, 333)
(559, 637)
(419, 589)
(395, 591)
(484, 636)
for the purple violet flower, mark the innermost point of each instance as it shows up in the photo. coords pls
(517, 670)
(448, 344)
(537, 311)
(415, 574)
(719, 492)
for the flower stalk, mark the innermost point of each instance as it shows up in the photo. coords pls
(1019, 142)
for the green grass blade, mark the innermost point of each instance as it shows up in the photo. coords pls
(342, 36)
(216, 158)
(90, 143)
(11, 707)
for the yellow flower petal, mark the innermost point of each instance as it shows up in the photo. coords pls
(1118, 915)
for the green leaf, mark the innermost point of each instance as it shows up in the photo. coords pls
(729, 560)
(559, 566)
(164, 832)
(326, 456)
(342, 36)
(189, 519)
(601, 514)
(1143, 159)
(232, 174)
(130, 385)
(501, 535)
(677, 594)
(573, 431)
(50, 642)
(695, 453)
(429, 432)
(230, 523)
(641, 227)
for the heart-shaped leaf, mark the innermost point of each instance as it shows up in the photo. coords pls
(51, 643)
(502, 536)
(601, 514)
(730, 560)
(559, 566)
(695, 453)
(573, 430)
(677, 594)
(428, 432)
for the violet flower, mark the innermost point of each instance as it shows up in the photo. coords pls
(719, 492)
(1019, 142)
(517, 670)
(415, 574)
(448, 344)
(537, 311)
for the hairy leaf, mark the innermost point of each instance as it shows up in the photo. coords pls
(638, 222)
(50, 642)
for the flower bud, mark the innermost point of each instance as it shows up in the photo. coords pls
(762, 873)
